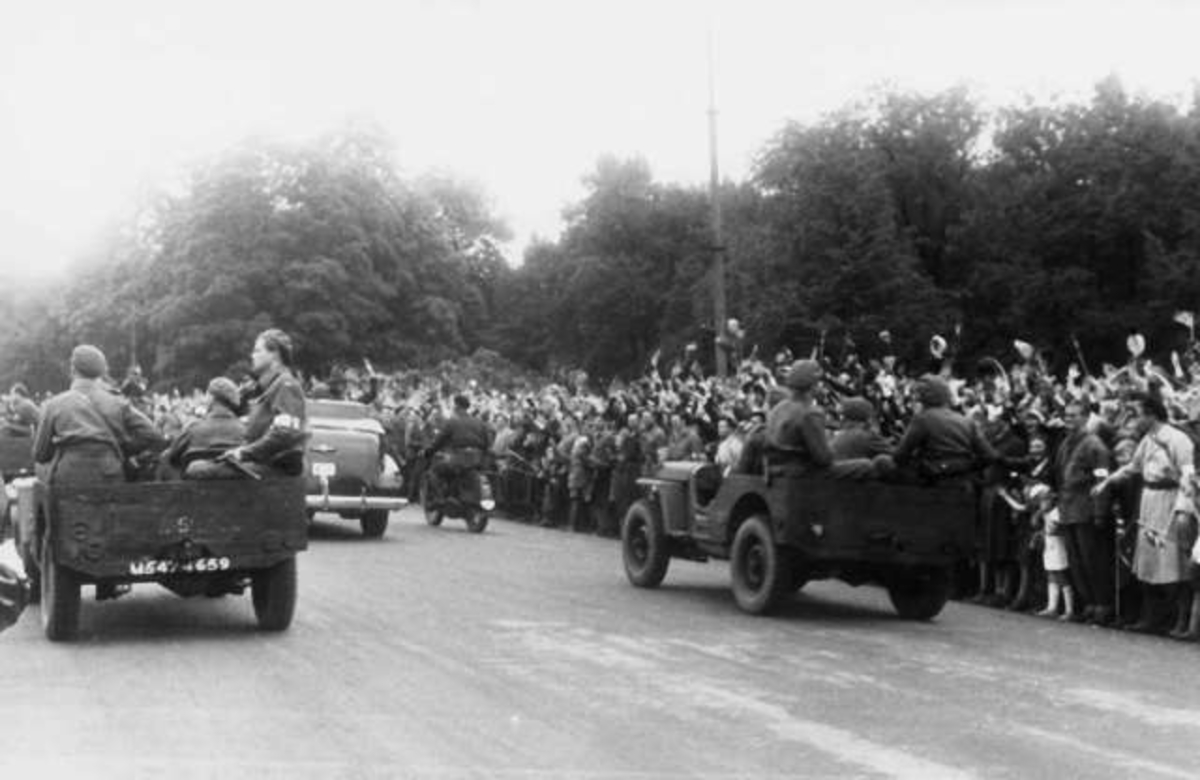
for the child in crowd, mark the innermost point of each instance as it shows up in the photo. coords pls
(1055, 561)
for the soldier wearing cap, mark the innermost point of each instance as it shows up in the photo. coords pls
(195, 451)
(276, 425)
(940, 442)
(859, 451)
(795, 430)
(87, 432)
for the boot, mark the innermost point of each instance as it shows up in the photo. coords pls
(1191, 632)
(1145, 622)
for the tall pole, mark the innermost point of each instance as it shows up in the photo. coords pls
(718, 243)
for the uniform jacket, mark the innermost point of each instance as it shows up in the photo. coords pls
(89, 413)
(942, 436)
(276, 425)
(219, 430)
(852, 443)
(797, 429)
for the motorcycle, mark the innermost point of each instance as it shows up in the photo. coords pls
(468, 498)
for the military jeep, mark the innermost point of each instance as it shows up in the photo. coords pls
(202, 537)
(781, 532)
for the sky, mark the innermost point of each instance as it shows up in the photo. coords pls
(102, 102)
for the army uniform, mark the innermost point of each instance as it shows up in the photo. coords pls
(218, 431)
(276, 426)
(87, 433)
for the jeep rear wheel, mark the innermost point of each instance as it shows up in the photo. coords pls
(920, 594)
(644, 546)
(273, 592)
(759, 569)
(60, 599)
(374, 523)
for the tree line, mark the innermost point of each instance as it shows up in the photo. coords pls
(1062, 224)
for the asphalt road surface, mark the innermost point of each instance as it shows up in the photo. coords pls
(523, 653)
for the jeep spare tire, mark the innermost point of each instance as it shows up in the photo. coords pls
(644, 545)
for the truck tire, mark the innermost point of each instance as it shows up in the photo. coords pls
(919, 595)
(273, 592)
(374, 523)
(477, 520)
(60, 599)
(760, 570)
(644, 546)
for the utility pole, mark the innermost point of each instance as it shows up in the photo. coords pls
(718, 242)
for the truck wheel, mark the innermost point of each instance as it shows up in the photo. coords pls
(433, 516)
(374, 523)
(273, 592)
(759, 569)
(919, 595)
(644, 546)
(60, 600)
(477, 520)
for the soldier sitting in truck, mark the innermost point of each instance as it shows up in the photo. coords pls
(795, 430)
(940, 443)
(87, 432)
(197, 452)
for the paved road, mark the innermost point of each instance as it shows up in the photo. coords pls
(523, 653)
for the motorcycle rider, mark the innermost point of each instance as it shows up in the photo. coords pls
(462, 443)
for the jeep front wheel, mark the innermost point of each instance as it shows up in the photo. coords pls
(758, 568)
(644, 546)
(374, 523)
(273, 592)
(60, 599)
(921, 594)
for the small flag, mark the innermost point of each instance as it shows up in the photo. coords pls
(1024, 349)
(1186, 319)
(1136, 344)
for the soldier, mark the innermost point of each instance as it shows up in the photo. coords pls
(795, 432)
(87, 432)
(195, 452)
(276, 423)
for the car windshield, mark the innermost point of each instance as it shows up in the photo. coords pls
(337, 410)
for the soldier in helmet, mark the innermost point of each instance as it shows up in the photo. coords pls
(940, 442)
(795, 431)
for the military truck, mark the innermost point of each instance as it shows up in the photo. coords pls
(781, 532)
(209, 538)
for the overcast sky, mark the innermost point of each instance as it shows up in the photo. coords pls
(101, 100)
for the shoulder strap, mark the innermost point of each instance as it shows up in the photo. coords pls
(118, 441)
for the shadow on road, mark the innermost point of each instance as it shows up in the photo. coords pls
(806, 605)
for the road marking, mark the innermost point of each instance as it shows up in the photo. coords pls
(1111, 757)
(1152, 714)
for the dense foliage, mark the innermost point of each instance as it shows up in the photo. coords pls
(919, 214)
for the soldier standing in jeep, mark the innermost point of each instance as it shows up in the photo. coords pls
(276, 422)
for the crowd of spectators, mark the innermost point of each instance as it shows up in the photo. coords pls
(1085, 515)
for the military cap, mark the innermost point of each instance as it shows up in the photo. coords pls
(803, 375)
(933, 391)
(224, 390)
(88, 362)
(857, 409)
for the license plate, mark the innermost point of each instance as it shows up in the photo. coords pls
(324, 469)
(197, 566)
